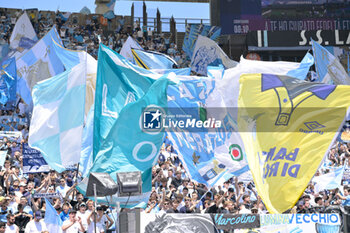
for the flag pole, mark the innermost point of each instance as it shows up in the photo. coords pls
(95, 217)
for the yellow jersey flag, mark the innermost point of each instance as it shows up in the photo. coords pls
(287, 126)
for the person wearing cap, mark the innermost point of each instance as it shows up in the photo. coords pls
(37, 225)
(22, 189)
(73, 224)
(83, 215)
(10, 225)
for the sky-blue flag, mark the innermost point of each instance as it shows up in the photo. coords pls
(122, 96)
(192, 32)
(210, 155)
(8, 81)
(4, 50)
(303, 69)
(52, 219)
(328, 67)
(86, 147)
(153, 60)
(330, 180)
(56, 125)
(38, 63)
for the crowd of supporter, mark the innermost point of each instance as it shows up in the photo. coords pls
(172, 189)
(87, 36)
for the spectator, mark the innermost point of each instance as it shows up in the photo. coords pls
(346, 198)
(65, 212)
(177, 181)
(2, 227)
(26, 208)
(37, 225)
(62, 188)
(22, 218)
(103, 221)
(10, 225)
(83, 215)
(73, 224)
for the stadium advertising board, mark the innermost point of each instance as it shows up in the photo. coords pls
(241, 16)
(298, 38)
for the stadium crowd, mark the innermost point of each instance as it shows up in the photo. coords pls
(22, 210)
(87, 36)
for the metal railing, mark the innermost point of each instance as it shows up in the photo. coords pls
(181, 23)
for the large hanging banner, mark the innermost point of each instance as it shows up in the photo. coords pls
(33, 161)
(308, 223)
(214, 223)
(195, 223)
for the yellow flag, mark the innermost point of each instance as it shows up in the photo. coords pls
(287, 126)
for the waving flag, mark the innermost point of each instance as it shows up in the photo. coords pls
(38, 63)
(152, 60)
(292, 69)
(23, 33)
(212, 155)
(8, 82)
(52, 219)
(129, 44)
(71, 58)
(57, 122)
(122, 93)
(208, 53)
(192, 33)
(328, 67)
(4, 50)
(86, 157)
(181, 71)
(64, 15)
(287, 126)
(331, 180)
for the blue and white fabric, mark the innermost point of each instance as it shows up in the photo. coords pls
(208, 53)
(331, 180)
(328, 66)
(39, 63)
(58, 117)
(23, 30)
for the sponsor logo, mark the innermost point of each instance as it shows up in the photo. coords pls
(313, 127)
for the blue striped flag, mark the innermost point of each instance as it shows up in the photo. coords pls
(57, 122)
(38, 63)
(153, 60)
